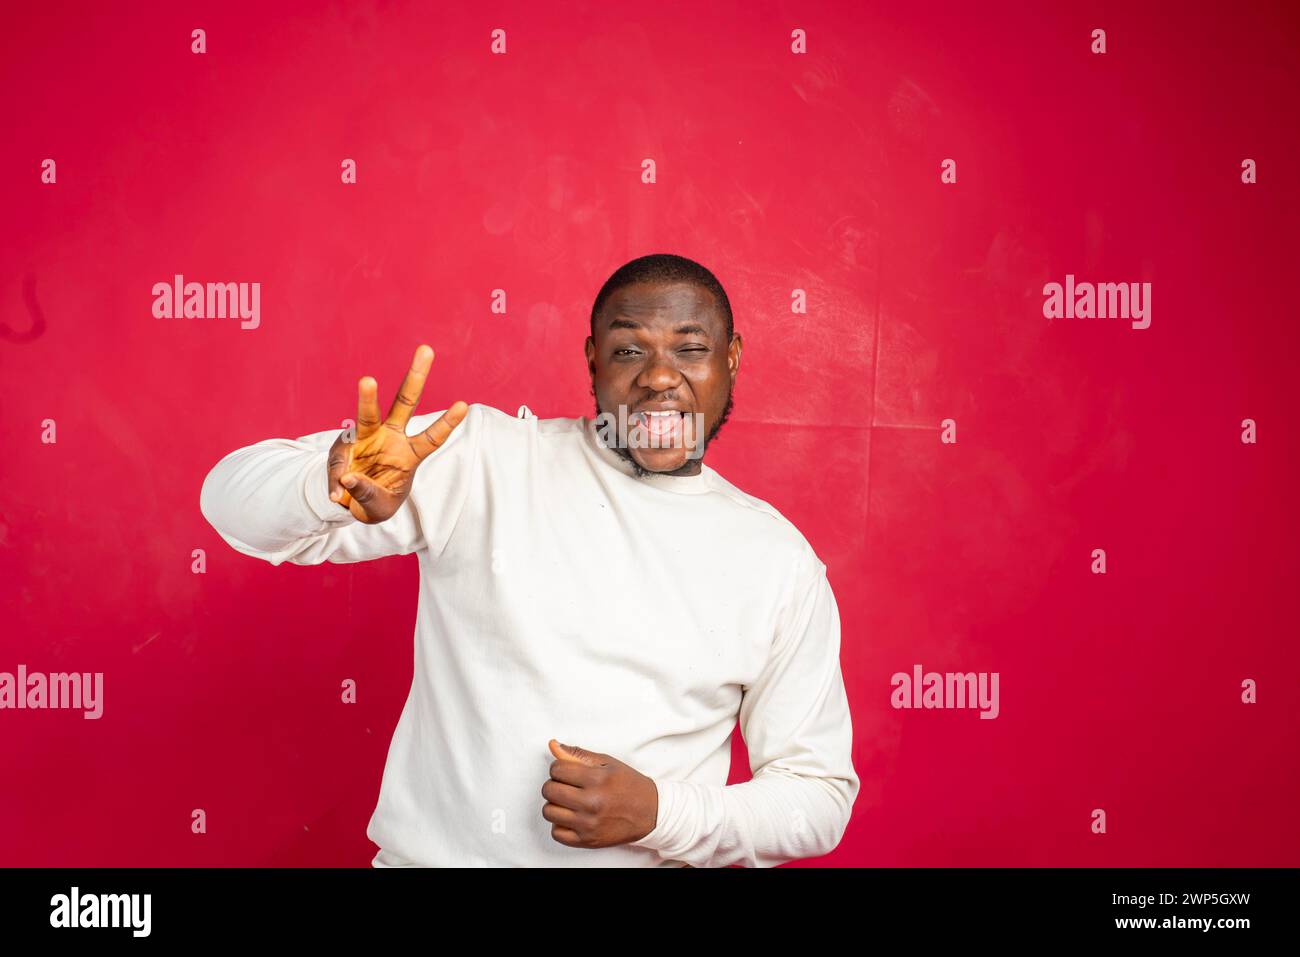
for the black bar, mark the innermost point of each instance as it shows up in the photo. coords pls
(332, 906)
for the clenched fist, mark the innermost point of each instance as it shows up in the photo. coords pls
(594, 800)
(371, 477)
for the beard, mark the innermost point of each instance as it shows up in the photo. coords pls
(641, 471)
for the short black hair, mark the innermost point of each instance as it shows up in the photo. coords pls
(663, 268)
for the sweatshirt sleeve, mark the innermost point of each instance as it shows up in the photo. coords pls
(271, 500)
(796, 724)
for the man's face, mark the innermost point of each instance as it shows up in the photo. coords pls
(662, 347)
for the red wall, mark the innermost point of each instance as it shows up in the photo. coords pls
(778, 171)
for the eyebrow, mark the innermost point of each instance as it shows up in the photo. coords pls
(683, 328)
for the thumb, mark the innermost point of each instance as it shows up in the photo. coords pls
(567, 752)
(367, 497)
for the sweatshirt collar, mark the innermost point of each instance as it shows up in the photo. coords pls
(696, 484)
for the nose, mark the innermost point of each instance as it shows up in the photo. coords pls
(659, 374)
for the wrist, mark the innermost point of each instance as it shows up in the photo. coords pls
(657, 836)
(316, 491)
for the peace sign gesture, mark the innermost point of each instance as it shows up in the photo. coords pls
(372, 476)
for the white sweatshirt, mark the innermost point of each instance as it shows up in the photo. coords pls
(563, 597)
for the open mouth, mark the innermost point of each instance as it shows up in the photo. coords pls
(659, 423)
(663, 428)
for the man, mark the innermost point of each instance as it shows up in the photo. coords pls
(597, 607)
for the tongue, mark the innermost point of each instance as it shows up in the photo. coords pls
(660, 424)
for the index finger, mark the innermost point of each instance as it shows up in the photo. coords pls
(409, 392)
(573, 773)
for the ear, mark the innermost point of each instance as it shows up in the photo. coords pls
(733, 354)
(590, 348)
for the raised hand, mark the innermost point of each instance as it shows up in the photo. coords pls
(371, 477)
